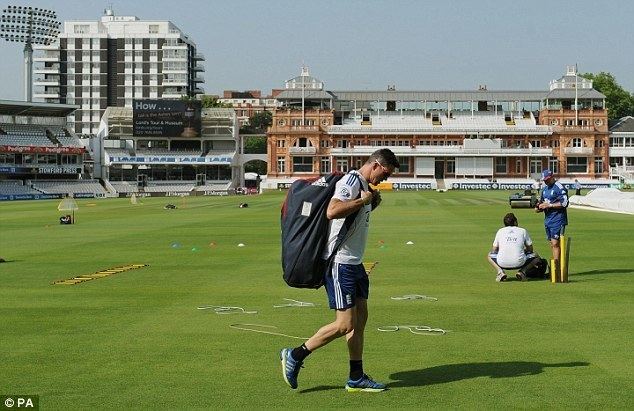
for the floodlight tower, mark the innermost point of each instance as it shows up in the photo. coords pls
(29, 25)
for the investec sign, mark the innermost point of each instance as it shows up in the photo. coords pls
(170, 160)
(411, 186)
(491, 186)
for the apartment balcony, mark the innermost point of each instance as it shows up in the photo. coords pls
(199, 90)
(44, 94)
(199, 68)
(46, 70)
(199, 79)
(578, 151)
(52, 46)
(178, 59)
(302, 151)
(182, 46)
(175, 95)
(446, 151)
(45, 82)
(172, 82)
(49, 58)
(175, 71)
(199, 56)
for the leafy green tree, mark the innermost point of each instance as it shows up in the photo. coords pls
(255, 166)
(212, 101)
(619, 102)
(255, 145)
(260, 121)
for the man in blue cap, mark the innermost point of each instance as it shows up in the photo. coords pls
(553, 203)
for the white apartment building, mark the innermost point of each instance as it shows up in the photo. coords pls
(110, 62)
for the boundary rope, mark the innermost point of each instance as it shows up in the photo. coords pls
(415, 297)
(294, 303)
(414, 329)
(220, 309)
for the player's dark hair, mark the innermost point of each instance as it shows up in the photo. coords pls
(385, 157)
(510, 220)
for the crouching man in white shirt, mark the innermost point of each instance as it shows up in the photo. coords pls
(512, 250)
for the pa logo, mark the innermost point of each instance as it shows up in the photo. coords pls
(454, 185)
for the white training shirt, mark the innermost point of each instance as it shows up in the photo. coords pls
(511, 242)
(353, 246)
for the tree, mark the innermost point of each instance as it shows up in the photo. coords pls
(258, 123)
(212, 101)
(255, 145)
(255, 166)
(619, 102)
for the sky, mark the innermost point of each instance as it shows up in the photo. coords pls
(370, 44)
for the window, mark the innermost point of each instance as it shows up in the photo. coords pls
(598, 165)
(324, 165)
(342, 144)
(535, 166)
(555, 143)
(281, 143)
(500, 165)
(153, 28)
(404, 165)
(342, 165)
(553, 165)
(576, 142)
(536, 143)
(577, 165)
(451, 165)
(324, 143)
(7, 158)
(302, 164)
(81, 28)
(599, 143)
(518, 166)
(303, 142)
(281, 165)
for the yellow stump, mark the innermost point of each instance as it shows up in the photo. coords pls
(565, 251)
(553, 271)
(562, 258)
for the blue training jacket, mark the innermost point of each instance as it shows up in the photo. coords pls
(555, 193)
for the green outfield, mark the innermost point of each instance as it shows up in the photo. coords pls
(136, 340)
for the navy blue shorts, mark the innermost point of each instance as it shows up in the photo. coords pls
(553, 232)
(345, 283)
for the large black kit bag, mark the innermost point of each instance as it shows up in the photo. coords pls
(539, 270)
(305, 231)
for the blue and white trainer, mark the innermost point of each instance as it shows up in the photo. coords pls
(366, 384)
(290, 367)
